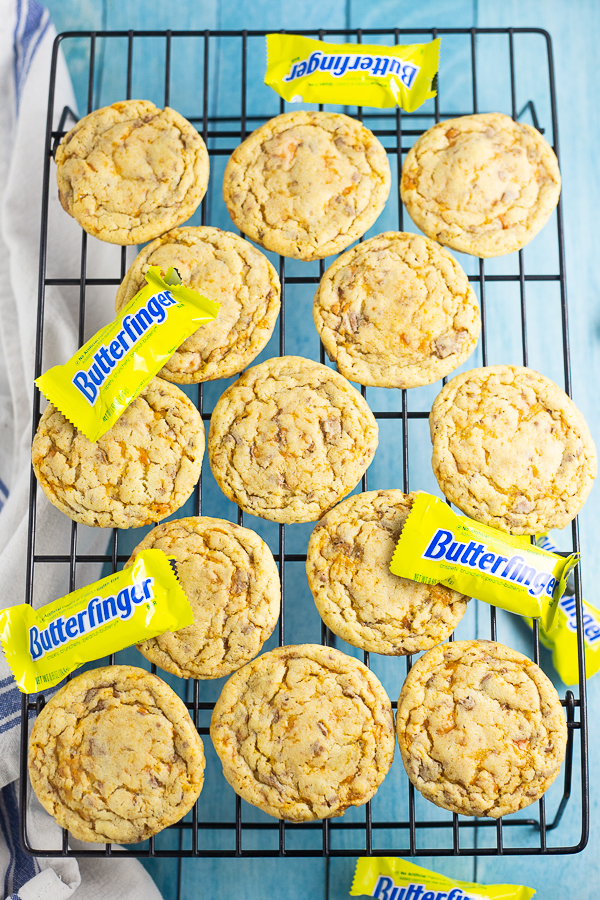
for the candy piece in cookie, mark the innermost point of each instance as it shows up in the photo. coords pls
(229, 270)
(396, 311)
(129, 172)
(511, 449)
(304, 732)
(481, 728)
(231, 580)
(139, 472)
(481, 184)
(114, 756)
(289, 439)
(307, 184)
(358, 598)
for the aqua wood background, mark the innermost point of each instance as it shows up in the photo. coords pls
(574, 27)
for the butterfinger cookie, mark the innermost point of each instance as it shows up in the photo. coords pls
(230, 578)
(307, 184)
(304, 732)
(510, 449)
(139, 472)
(481, 184)
(396, 311)
(128, 172)
(358, 598)
(114, 756)
(289, 439)
(481, 728)
(228, 270)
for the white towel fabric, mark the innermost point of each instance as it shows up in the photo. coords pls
(26, 878)
(26, 40)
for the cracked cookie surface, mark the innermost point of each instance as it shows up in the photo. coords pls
(128, 172)
(304, 732)
(139, 472)
(480, 728)
(229, 270)
(358, 598)
(307, 184)
(289, 439)
(482, 184)
(511, 450)
(396, 311)
(114, 756)
(231, 580)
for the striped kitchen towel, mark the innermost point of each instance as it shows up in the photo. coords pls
(26, 39)
(28, 878)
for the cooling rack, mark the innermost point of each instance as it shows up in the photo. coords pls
(408, 825)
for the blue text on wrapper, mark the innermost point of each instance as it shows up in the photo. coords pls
(89, 382)
(591, 626)
(475, 555)
(339, 64)
(99, 611)
(385, 889)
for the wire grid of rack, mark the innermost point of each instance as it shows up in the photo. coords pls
(407, 828)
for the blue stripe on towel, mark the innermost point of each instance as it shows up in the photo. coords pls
(10, 704)
(4, 682)
(32, 23)
(21, 867)
(10, 708)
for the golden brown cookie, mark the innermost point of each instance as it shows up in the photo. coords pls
(228, 269)
(307, 184)
(481, 184)
(511, 449)
(114, 756)
(128, 172)
(230, 578)
(358, 598)
(396, 311)
(139, 472)
(304, 732)
(480, 728)
(289, 439)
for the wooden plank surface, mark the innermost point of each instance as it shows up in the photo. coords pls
(574, 29)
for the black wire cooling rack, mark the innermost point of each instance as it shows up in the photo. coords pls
(360, 832)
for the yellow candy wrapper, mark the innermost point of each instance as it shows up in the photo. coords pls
(390, 878)
(98, 384)
(439, 546)
(42, 646)
(561, 637)
(303, 70)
